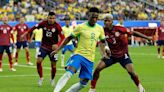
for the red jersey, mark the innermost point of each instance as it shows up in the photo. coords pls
(161, 33)
(117, 40)
(50, 34)
(21, 29)
(5, 34)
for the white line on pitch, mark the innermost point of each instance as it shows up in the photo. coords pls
(6, 76)
(34, 67)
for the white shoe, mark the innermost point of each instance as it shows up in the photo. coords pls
(12, 69)
(92, 90)
(40, 81)
(15, 64)
(52, 81)
(1, 69)
(29, 63)
(140, 88)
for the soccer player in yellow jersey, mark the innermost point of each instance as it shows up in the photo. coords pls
(37, 35)
(67, 29)
(88, 33)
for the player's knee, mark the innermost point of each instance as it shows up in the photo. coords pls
(39, 60)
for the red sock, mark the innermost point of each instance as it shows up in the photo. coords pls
(16, 57)
(10, 60)
(0, 60)
(95, 78)
(53, 72)
(134, 78)
(39, 69)
(27, 56)
(158, 50)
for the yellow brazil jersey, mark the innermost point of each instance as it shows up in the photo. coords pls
(67, 32)
(87, 39)
(15, 37)
(38, 34)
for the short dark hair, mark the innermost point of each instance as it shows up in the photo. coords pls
(51, 13)
(94, 9)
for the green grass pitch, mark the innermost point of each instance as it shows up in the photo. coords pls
(114, 79)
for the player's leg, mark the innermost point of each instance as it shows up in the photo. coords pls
(8, 51)
(18, 44)
(163, 51)
(85, 75)
(1, 54)
(37, 46)
(158, 48)
(73, 65)
(78, 86)
(63, 56)
(25, 46)
(41, 55)
(104, 63)
(54, 60)
(128, 65)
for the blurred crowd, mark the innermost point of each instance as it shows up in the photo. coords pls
(36, 10)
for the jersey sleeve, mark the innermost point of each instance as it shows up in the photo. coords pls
(102, 34)
(124, 30)
(77, 31)
(37, 26)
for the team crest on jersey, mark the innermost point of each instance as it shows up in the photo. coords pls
(53, 29)
(162, 30)
(106, 36)
(117, 34)
(36, 25)
(8, 28)
(45, 28)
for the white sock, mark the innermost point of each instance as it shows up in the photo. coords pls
(14, 52)
(76, 87)
(37, 51)
(62, 81)
(62, 59)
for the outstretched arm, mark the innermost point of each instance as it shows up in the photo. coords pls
(66, 40)
(138, 34)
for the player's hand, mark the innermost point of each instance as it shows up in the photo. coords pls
(107, 50)
(54, 47)
(14, 45)
(53, 52)
(150, 38)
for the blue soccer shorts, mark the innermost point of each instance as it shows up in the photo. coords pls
(37, 43)
(68, 47)
(79, 62)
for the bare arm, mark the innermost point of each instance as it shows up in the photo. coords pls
(66, 40)
(138, 34)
